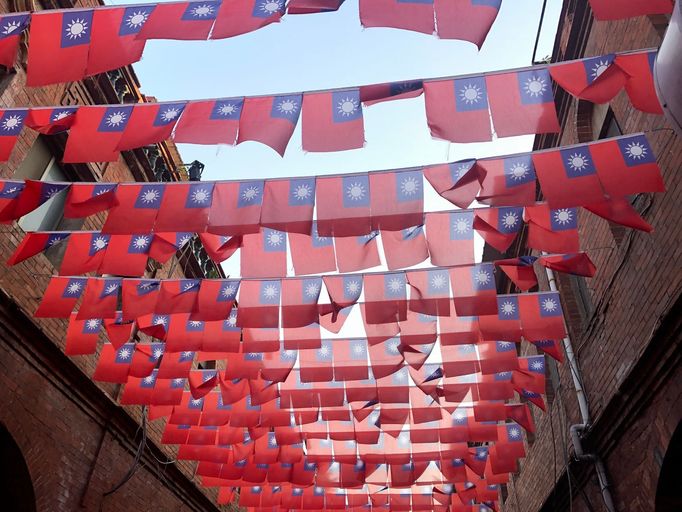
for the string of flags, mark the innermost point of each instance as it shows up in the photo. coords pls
(458, 109)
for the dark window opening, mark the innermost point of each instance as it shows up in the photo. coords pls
(18, 493)
(668, 496)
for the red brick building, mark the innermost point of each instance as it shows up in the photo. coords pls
(624, 323)
(65, 442)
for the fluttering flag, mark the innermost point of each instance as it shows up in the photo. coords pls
(522, 102)
(264, 254)
(312, 6)
(60, 297)
(35, 243)
(507, 181)
(220, 248)
(620, 211)
(541, 316)
(474, 290)
(84, 253)
(312, 254)
(100, 298)
(126, 255)
(404, 248)
(51, 120)
(357, 252)
(241, 16)
(113, 364)
(450, 237)
(401, 203)
(143, 200)
(299, 301)
(343, 205)
(429, 291)
(457, 110)
(386, 297)
(182, 20)
(259, 304)
(288, 205)
(85, 199)
(10, 193)
(639, 86)
(578, 264)
(209, 121)
(597, 79)
(190, 202)
(498, 226)
(11, 124)
(458, 182)
(11, 27)
(506, 324)
(139, 297)
(417, 15)
(60, 43)
(469, 20)
(82, 336)
(270, 120)
(96, 133)
(332, 121)
(378, 93)
(236, 208)
(552, 230)
(621, 9)
(520, 271)
(150, 123)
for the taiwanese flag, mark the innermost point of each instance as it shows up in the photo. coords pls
(541, 316)
(378, 93)
(569, 177)
(139, 297)
(84, 253)
(243, 16)
(139, 390)
(183, 333)
(236, 208)
(119, 331)
(114, 364)
(86, 199)
(450, 237)
(278, 365)
(460, 360)
(219, 248)
(621, 9)
(178, 296)
(181, 21)
(497, 356)
(312, 254)
(404, 248)
(165, 245)
(264, 254)
(418, 329)
(458, 182)
(620, 211)
(554, 231)
(343, 205)
(302, 337)
(35, 243)
(507, 181)
(350, 359)
(150, 123)
(11, 123)
(429, 291)
(509, 443)
(506, 324)
(357, 252)
(332, 121)
(60, 43)
(10, 192)
(639, 86)
(32, 194)
(60, 297)
(316, 364)
(522, 102)
(343, 291)
(221, 336)
(551, 348)
(469, 20)
(414, 15)
(313, 6)
(209, 122)
(457, 110)
(135, 209)
(385, 297)
(626, 165)
(190, 202)
(114, 42)
(100, 298)
(96, 133)
(299, 301)
(270, 120)
(288, 205)
(395, 388)
(596, 79)
(126, 255)
(401, 203)
(458, 329)
(82, 336)
(216, 299)
(51, 120)
(156, 326)
(520, 271)
(498, 226)
(11, 27)
(176, 365)
(578, 264)
(474, 289)
(259, 304)
(531, 374)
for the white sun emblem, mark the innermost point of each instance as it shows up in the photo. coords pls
(275, 238)
(271, 7)
(183, 240)
(537, 365)
(461, 226)
(158, 353)
(599, 67)
(272, 442)
(10, 27)
(510, 220)
(636, 150)
(185, 355)
(11, 123)
(189, 286)
(124, 353)
(404, 439)
(505, 344)
(141, 242)
(10, 191)
(289, 354)
(232, 321)
(201, 11)
(508, 308)
(137, 19)
(148, 380)
(76, 28)
(400, 376)
(438, 281)
(161, 320)
(116, 119)
(92, 324)
(409, 186)
(73, 288)
(392, 347)
(312, 289)
(111, 289)
(178, 382)
(302, 192)
(270, 291)
(51, 192)
(358, 349)
(196, 401)
(519, 171)
(395, 284)
(287, 107)
(250, 193)
(470, 94)
(324, 351)
(229, 290)
(549, 305)
(563, 216)
(355, 191)
(535, 86)
(62, 115)
(170, 114)
(55, 241)
(200, 195)
(195, 323)
(353, 287)
(347, 106)
(514, 433)
(227, 109)
(578, 162)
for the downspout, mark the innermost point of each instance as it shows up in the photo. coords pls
(578, 430)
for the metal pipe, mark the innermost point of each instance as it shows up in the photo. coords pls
(599, 467)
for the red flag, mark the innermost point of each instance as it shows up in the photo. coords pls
(139, 297)
(385, 297)
(288, 205)
(178, 296)
(401, 203)
(51, 120)
(302, 337)
(34, 243)
(639, 86)
(578, 264)
(126, 255)
(552, 230)
(357, 252)
(404, 248)
(60, 42)
(414, 15)
(82, 336)
(183, 21)
(429, 291)
(190, 202)
(209, 122)
(11, 28)
(520, 271)
(507, 181)
(236, 208)
(242, 16)
(114, 42)
(135, 209)
(270, 120)
(60, 297)
(551, 348)
(85, 199)
(450, 237)
(220, 248)
(343, 205)
(458, 329)
(96, 133)
(299, 301)
(417, 329)
(316, 364)
(165, 245)
(11, 122)
(119, 331)
(278, 365)
(458, 182)
(596, 79)
(457, 110)
(497, 356)
(378, 93)
(460, 360)
(620, 211)
(25, 197)
(264, 254)
(259, 304)
(100, 298)
(350, 359)
(620, 9)
(150, 123)
(541, 316)
(498, 226)
(10, 193)
(522, 102)
(114, 364)
(474, 289)
(312, 254)
(216, 299)
(506, 324)
(469, 20)
(332, 121)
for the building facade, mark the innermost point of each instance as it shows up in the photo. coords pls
(624, 323)
(65, 442)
